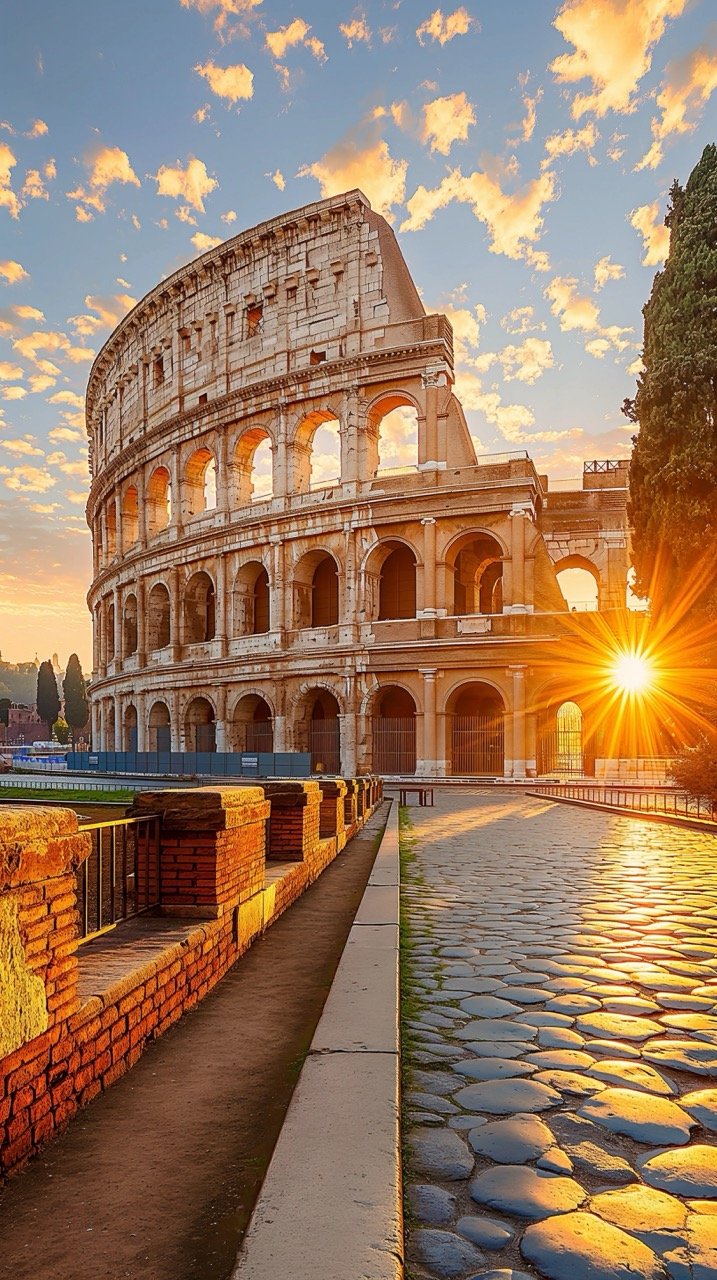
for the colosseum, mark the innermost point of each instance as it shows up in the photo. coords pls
(254, 592)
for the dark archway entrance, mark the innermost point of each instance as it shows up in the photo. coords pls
(476, 715)
(394, 732)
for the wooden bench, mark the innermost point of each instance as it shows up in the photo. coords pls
(425, 795)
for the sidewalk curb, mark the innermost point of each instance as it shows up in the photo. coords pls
(330, 1205)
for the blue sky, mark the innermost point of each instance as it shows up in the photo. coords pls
(522, 149)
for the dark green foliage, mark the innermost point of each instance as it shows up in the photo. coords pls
(77, 707)
(5, 704)
(48, 699)
(673, 473)
(696, 771)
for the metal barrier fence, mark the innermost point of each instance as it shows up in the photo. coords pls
(121, 877)
(229, 764)
(635, 800)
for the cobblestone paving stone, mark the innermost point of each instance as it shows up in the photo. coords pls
(563, 1119)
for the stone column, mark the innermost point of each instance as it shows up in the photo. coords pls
(518, 518)
(221, 605)
(221, 723)
(117, 745)
(119, 549)
(143, 511)
(176, 522)
(427, 766)
(350, 438)
(277, 599)
(431, 426)
(429, 567)
(223, 485)
(141, 623)
(531, 744)
(175, 617)
(117, 596)
(104, 558)
(95, 736)
(516, 767)
(175, 723)
(141, 708)
(280, 459)
(102, 616)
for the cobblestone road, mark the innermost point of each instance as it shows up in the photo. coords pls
(563, 1110)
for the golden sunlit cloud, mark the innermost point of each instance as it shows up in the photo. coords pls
(226, 10)
(570, 141)
(524, 363)
(447, 120)
(514, 221)
(27, 479)
(687, 86)
(106, 165)
(8, 198)
(655, 235)
(229, 217)
(109, 311)
(613, 41)
(33, 188)
(202, 241)
(356, 31)
(296, 33)
(51, 340)
(12, 273)
(606, 270)
(526, 128)
(522, 320)
(277, 178)
(192, 183)
(576, 311)
(65, 434)
(10, 372)
(22, 447)
(235, 83)
(361, 159)
(444, 28)
(13, 393)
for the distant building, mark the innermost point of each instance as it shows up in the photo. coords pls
(25, 726)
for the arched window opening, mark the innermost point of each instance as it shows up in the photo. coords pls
(579, 587)
(253, 728)
(394, 732)
(159, 501)
(398, 440)
(111, 529)
(158, 613)
(324, 733)
(110, 631)
(199, 609)
(326, 455)
(325, 594)
(636, 603)
(397, 584)
(160, 730)
(199, 726)
(129, 637)
(129, 736)
(253, 468)
(478, 577)
(130, 518)
(563, 748)
(569, 726)
(476, 715)
(200, 483)
(251, 600)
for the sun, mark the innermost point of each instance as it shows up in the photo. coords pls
(631, 673)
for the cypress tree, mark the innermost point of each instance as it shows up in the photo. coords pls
(48, 699)
(673, 473)
(77, 707)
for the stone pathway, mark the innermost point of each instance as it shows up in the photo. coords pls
(562, 1114)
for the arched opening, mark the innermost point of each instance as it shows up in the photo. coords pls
(200, 483)
(323, 732)
(394, 732)
(316, 452)
(129, 731)
(569, 729)
(392, 435)
(199, 609)
(564, 747)
(251, 600)
(160, 728)
(579, 583)
(253, 729)
(325, 593)
(253, 467)
(158, 612)
(129, 628)
(478, 576)
(110, 630)
(111, 529)
(159, 501)
(199, 726)
(476, 714)
(397, 584)
(130, 518)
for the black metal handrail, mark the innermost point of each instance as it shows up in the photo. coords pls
(121, 876)
(634, 799)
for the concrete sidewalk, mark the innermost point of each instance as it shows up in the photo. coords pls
(157, 1179)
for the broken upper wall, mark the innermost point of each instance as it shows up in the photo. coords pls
(316, 286)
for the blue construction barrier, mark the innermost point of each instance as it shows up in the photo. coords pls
(212, 764)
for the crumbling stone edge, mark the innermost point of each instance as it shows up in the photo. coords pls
(331, 1204)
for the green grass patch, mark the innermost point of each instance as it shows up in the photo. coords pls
(57, 794)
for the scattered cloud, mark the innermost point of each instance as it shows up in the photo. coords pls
(13, 393)
(225, 11)
(576, 311)
(67, 397)
(108, 313)
(50, 340)
(443, 28)
(524, 363)
(106, 165)
(65, 434)
(606, 270)
(38, 130)
(202, 241)
(612, 41)
(447, 120)
(655, 235)
(27, 479)
(229, 217)
(361, 159)
(526, 128)
(10, 372)
(24, 448)
(12, 272)
(687, 85)
(192, 183)
(571, 141)
(33, 188)
(514, 221)
(296, 33)
(277, 178)
(8, 198)
(357, 31)
(522, 320)
(235, 83)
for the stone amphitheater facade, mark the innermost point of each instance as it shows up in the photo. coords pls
(388, 619)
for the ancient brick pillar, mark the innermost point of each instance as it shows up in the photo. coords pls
(331, 815)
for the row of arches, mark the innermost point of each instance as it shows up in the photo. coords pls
(475, 739)
(317, 463)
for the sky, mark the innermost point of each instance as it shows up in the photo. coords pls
(523, 151)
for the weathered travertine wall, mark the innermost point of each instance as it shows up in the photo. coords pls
(367, 619)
